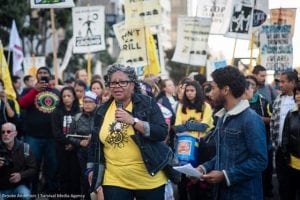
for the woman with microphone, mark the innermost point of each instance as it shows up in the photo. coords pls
(127, 140)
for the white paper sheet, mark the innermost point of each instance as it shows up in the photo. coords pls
(189, 170)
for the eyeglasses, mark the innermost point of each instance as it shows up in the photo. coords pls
(6, 131)
(114, 84)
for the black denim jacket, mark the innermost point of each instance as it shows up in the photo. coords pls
(155, 153)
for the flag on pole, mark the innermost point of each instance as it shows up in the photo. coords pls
(153, 68)
(16, 47)
(5, 75)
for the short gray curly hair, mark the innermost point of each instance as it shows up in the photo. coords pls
(125, 69)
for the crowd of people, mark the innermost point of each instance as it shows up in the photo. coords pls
(119, 136)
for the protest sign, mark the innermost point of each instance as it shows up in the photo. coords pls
(133, 45)
(192, 37)
(240, 25)
(142, 13)
(88, 29)
(276, 47)
(219, 11)
(284, 16)
(52, 3)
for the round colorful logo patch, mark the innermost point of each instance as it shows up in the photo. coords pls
(46, 101)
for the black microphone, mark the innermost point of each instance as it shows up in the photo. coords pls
(119, 104)
(118, 125)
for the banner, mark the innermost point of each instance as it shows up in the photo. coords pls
(16, 47)
(284, 16)
(5, 75)
(31, 64)
(192, 37)
(219, 11)
(142, 13)
(88, 29)
(133, 45)
(52, 3)
(240, 25)
(276, 47)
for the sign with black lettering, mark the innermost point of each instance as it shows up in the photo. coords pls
(276, 47)
(218, 10)
(133, 45)
(192, 38)
(52, 3)
(140, 13)
(88, 29)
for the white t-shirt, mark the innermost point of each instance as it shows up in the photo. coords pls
(173, 103)
(287, 104)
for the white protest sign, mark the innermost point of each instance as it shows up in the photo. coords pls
(88, 29)
(30, 62)
(133, 45)
(192, 37)
(142, 13)
(219, 11)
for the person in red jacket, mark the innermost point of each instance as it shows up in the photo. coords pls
(38, 104)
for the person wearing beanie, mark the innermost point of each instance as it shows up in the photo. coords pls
(81, 129)
(91, 96)
(38, 103)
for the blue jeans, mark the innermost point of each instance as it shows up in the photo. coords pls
(44, 149)
(117, 193)
(19, 192)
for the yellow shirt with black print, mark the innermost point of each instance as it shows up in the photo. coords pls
(124, 163)
(191, 115)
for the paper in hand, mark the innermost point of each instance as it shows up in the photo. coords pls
(189, 170)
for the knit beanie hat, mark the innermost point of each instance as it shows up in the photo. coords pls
(91, 95)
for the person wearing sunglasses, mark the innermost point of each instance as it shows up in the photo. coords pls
(129, 131)
(17, 164)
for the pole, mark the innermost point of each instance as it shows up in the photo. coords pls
(1, 59)
(251, 53)
(187, 70)
(8, 58)
(54, 45)
(89, 67)
(233, 53)
(33, 60)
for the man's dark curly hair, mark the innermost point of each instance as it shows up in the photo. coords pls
(230, 76)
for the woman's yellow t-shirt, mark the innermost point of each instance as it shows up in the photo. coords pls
(295, 162)
(191, 115)
(124, 164)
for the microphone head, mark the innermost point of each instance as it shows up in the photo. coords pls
(119, 104)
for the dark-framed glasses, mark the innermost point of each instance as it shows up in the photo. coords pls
(114, 84)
